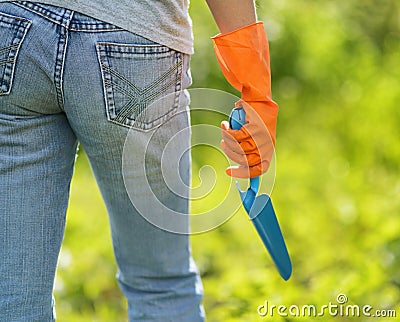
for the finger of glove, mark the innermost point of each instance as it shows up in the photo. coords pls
(240, 157)
(245, 147)
(247, 172)
(257, 132)
(249, 143)
(237, 156)
(253, 129)
(242, 154)
(225, 125)
(254, 152)
(234, 135)
(230, 134)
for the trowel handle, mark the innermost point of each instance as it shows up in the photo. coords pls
(237, 119)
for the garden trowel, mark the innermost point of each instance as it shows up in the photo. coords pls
(262, 213)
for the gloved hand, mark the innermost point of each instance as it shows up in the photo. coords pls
(243, 56)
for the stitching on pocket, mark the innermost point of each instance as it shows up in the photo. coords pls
(129, 100)
(13, 31)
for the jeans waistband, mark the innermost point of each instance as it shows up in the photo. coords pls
(69, 19)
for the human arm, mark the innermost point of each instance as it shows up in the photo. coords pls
(232, 14)
(243, 54)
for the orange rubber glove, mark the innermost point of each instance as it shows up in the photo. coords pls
(243, 56)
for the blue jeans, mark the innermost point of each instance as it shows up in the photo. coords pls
(66, 77)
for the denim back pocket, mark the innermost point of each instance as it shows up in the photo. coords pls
(142, 83)
(12, 33)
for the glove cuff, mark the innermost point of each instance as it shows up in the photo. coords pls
(243, 56)
(240, 30)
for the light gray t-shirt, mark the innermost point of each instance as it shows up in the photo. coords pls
(166, 22)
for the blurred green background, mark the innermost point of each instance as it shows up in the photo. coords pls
(336, 77)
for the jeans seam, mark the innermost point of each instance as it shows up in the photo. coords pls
(98, 26)
(93, 27)
(44, 13)
(60, 59)
(179, 75)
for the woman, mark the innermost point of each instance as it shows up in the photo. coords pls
(88, 71)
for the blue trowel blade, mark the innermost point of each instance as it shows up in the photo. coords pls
(263, 216)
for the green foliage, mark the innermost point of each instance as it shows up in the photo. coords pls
(336, 77)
